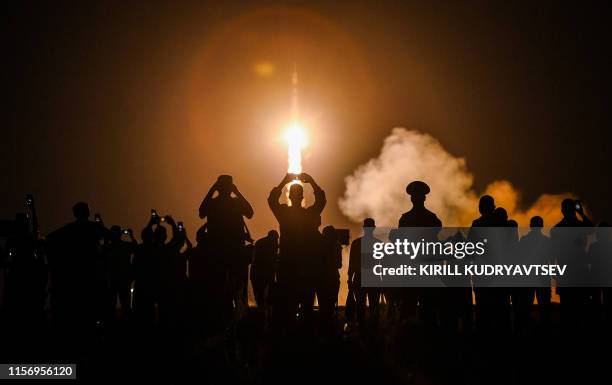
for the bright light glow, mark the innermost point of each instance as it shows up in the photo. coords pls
(297, 140)
(264, 69)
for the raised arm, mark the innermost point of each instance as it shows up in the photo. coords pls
(586, 221)
(276, 193)
(188, 243)
(174, 239)
(133, 241)
(319, 194)
(34, 217)
(150, 224)
(206, 202)
(245, 207)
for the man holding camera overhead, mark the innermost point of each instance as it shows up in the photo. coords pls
(300, 241)
(227, 231)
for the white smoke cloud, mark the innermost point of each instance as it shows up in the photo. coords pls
(377, 188)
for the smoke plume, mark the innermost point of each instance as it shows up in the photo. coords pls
(377, 188)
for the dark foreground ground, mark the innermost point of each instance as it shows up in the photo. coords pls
(396, 353)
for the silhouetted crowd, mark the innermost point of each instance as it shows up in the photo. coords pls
(86, 284)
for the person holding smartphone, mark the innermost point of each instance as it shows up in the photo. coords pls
(119, 257)
(569, 240)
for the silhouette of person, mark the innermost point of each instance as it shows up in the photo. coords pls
(569, 238)
(499, 296)
(23, 297)
(211, 294)
(429, 224)
(534, 248)
(160, 236)
(74, 251)
(224, 213)
(521, 294)
(299, 243)
(173, 274)
(569, 209)
(328, 280)
(500, 218)
(486, 206)
(419, 216)
(23, 283)
(393, 295)
(457, 307)
(362, 248)
(227, 232)
(119, 254)
(493, 303)
(263, 267)
(241, 269)
(147, 270)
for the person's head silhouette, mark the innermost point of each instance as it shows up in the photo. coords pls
(514, 229)
(273, 236)
(160, 235)
(329, 234)
(368, 227)
(81, 211)
(296, 195)
(115, 232)
(536, 223)
(568, 208)
(417, 191)
(500, 216)
(486, 205)
(225, 185)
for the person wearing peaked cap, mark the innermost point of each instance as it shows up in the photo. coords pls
(417, 188)
(419, 216)
(429, 226)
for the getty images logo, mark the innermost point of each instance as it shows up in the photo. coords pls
(404, 247)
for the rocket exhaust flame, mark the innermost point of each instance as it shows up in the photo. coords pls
(295, 136)
(296, 142)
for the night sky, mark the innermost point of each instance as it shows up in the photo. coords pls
(137, 107)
